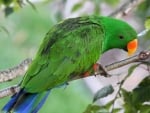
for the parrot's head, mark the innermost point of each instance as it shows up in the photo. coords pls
(119, 34)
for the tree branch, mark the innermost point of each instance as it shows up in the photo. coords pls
(142, 56)
(118, 93)
(14, 72)
(11, 90)
(126, 8)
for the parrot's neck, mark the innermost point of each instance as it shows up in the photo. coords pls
(105, 47)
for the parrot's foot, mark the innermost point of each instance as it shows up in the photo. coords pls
(99, 69)
(86, 74)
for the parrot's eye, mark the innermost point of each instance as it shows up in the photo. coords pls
(121, 37)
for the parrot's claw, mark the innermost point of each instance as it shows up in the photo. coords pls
(99, 69)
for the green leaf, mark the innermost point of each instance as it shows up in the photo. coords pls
(104, 110)
(109, 104)
(7, 2)
(77, 6)
(92, 108)
(105, 91)
(116, 110)
(145, 82)
(147, 23)
(8, 10)
(145, 109)
(128, 105)
(97, 6)
(134, 101)
(142, 92)
(112, 2)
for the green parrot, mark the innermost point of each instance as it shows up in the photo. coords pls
(70, 48)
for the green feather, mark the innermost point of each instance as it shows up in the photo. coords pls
(71, 47)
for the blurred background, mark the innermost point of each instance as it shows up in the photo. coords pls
(23, 27)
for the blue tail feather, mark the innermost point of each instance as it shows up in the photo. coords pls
(24, 102)
(41, 103)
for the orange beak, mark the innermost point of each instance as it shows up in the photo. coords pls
(132, 47)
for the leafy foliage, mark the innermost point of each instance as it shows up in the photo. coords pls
(96, 4)
(77, 6)
(147, 23)
(92, 108)
(9, 8)
(135, 101)
(112, 2)
(143, 9)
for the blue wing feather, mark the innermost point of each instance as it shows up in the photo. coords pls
(24, 102)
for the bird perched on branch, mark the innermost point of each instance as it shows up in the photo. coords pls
(71, 47)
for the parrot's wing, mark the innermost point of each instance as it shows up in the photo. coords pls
(68, 49)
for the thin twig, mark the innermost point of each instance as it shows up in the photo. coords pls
(126, 8)
(118, 91)
(32, 5)
(144, 32)
(9, 91)
(130, 71)
(144, 55)
(14, 72)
